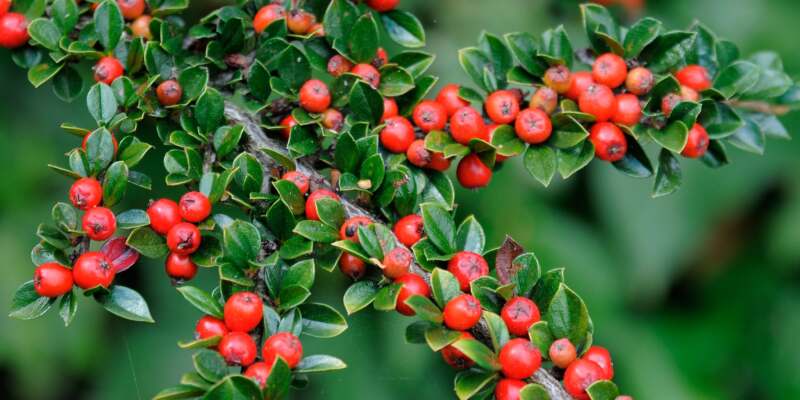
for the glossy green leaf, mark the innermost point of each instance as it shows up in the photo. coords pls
(404, 28)
(126, 303)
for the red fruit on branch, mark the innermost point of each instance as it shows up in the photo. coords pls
(558, 78)
(609, 141)
(259, 372)
(610, 69)
(140, 27)
(601, 357)
(578, 84)
(311, 202)
(629, 110)
(455, 357)
(5, 5)
(238, 348)
(368, 73)
(410, 285)
(299, 179)
(300, 22)
(509, 389)
(338, 65)
(397, 262)
(599, 101)
(287, 123)
(86, 193)
(180, 267)
(467, 124)
(382, 5)
(164, 214)
(580, 375)
(697, 142)
(448, 97)
(52, 279)
(640, 81)
(472, 173)
(397, 135)
(92, 269)
(533, 126)
(462, 312)
(409, 229)
(467, 266)
(131, 9)
(389, 109)
(267, 15)
(283, 345)
(332, 119)
(13, 30)
(439, 162)
(315, 96)
(519, 359)
(695, 77)
(169, 92)
(352, 266)
(418, 155)
(99, 223)
(502, 106)
(107, 70)
(562, 353)
(545, 99)
(243, 311)
(184, 238)
(349, 229)
(429, 116)
(668, 103)
(208, 327)
(381, 58)
(519, 314)
(194, 207)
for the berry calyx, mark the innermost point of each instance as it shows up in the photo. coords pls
(609, 141)
(259, 372)
(429, 116)
(86, 193)
(610, 69)
(467, 124)
(397, 262)
(472, 173)
(13, 30)
(533, 126)
(238, 348)
(352, 266)
(368, 73)
(409, 229)
(629, 110)
(508, 389)
(349, 229)
(92, 269)
(545, 99)
(140, 27)
(107, 70)
(640, 81)
(164, 214)
(502, 106)
(180, 267)
(519, 359)
(601, 356)
(578, 84)
(448, 97)
(311, 202)
(52, 279)
(131, 9)
(599, 101)
(580, 375)
(519, 314)
(417, 154)
(300, 22)
(208, 327)
(697, 142)
(287, 123)
(462, 312)
(562, 353)
(389, 108)
(455, 357)
(695, 77)
(411, 284)
(99, 223)
(267, 15)
(558, 78)
(243, 311)
(315, 96)
(169, 92)
(283, 345)
(184, 238)
(299, 179)
(467, 266)
(194, 207)
(383, 5)
(332, 119)
(397, 135)
(338, 65)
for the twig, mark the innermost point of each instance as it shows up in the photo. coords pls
(761, 107)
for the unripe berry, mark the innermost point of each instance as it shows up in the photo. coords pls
(397, 262)
(689, 94)
(311, 202)
(184, 238)
(601, 357)
(508, 389)
(169, 93)
(381, 58)
(629, 110)
(519, 359)
(338, 65)
(52, 279)
(411, 284)
(299, 179)
(92, 269)
(349, 229)
(558, 78)
(462, 312)
(562, 353)
(194, 207)
(610, 69)
(99, 223)
(578, 84)
(448, 97)
(208, 327)
(640, 81)
(417, 154)
(545, 99)
(318, 30)
(140, 27)
(467, 124)
(430, 116)
(259, 372)
(267, 15)
(368, 73)
(455, 357)
(107, 70)
(283, 345)
(352, 266)
(287, 123)
(695, 77)
(668, 103)
(519, 314)
(389, 109)
(533, 126)
(467, 266)
(439, 162)
(599, 101)
(409, 229)
(180, 267)
(238, 348)
(383, 5)
(502, 106)
(696, 143)
(164, 214)
(86, 193)
(397, 135)
(243, 311)
(472, 173)
(332, 119)
(609, 141)
(300, 22)
(131, 9)
(580, 375)
(315, 96)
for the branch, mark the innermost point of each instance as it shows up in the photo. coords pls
(257, 140)
(761, 107)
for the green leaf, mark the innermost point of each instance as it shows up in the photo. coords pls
(339, 18)
(673, 137)
(498, 53)
(556, 47)
(102, 103)
(292, 66)
(469, 383)
(526, 273)
(749, 138)
(415, 62)
(541, 163)
(439, 337)
(635, 163)
(470, 236)
(301, 273)
(158, 61)
(331, 212)
(249, 173)
(210, 110)
(234, 387)
(439, 227)
(280, 377)
(546, 288)
(280, 220)
(473, 61)
(597, 19)
(668, 174)
(226, 138)
(291, 297)
(27, 304)
(444, 286)
(201, 300)
(45, 32)
(404, 28)
(178, 392)
(567, 316)
(641, 34)
(41, 73)
(115, 183)
(483, 356)
(108, 24)
(498, 332)
(540, 335)
(193, 82)
(241, 242)
(366, 103)
(316, 231)
(322, 320)
(126, 303)
(395, 81)
(359, 295)
(533, 391)
(603, 390)
(291, 196)
(147, 242)
(65, 217)
(65, 14)
(386, 299)
(525, 46)
(319, 363)
(68, 307)
(667, 51)
(425, 309)
(68, 84)
(573, 159)
(737, 78)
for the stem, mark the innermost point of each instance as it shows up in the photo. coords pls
(761, 107)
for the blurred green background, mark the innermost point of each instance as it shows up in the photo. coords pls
(696, 295)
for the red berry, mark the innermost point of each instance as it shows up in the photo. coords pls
(578, 84)
(92, 269)
(194, 207)
(417, 154)
(332, 119)
(107, 70)
(397, 262)
(467, 266)
(180, 267)
(283, 345)
(455, 357)
(533, 126)
(430, 116)
(621, 397)
(5, 5)
(300, 22)
(287, 123)
(169, 92)
(640, 81)
(579, 376)
(462, 312)
(208, 327)
(609, 141)
(311, 202)
(508, 389)
(238, 348)
(131, 9)
(381, 58)
(409, 229)
(545, 99)
(689, 94)
(562, 353)
(695, 77)
(467, 124)
(368, 73)
(352, 266)
(601, 356)
(438, 162)
(411, 284)
(299, 179)
(267, 15)
(259, 372)
(520, 314)
(397, 135)
(472, 173)
(668, 103)
(164, 214)
(99, 223)
(502, 106)
(519, 359)
(389, 109)
(629, 111)
(243, 311)
(52, 280)
(86, 193)
(697, 142)
(184, 238)
(13, 30)
(558, 78)
(349, 229)
(610, 69)
(448, 97)
(599, 101)
(315, 96)
(140, 27)
(338, 65)
(383, 5)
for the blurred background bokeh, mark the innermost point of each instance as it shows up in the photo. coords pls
(697, 295)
